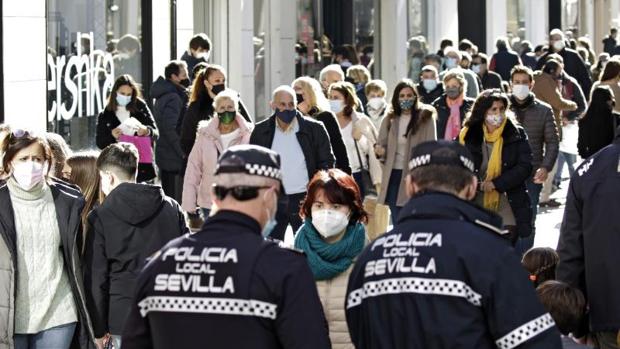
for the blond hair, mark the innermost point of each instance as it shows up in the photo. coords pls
(359, 74)
(312, 88)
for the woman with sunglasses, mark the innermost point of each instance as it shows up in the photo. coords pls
(44, 305)
(213, 137)
(127, 114)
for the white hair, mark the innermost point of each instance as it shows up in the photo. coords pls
(227, 94)
(452, 49)
(286, 89)
(335, 68)
(557, 31)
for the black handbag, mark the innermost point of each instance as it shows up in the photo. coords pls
(369, 187)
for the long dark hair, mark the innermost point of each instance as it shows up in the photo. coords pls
(396, 111)
(611, 71)
(124, 79)
(599, 109)
(483, 103)
(351, 102)
(540, 262)
(199, 90)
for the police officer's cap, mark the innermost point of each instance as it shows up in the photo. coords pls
(250, 159)
(441, 152)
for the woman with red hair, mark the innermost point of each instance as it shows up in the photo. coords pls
(332, 236)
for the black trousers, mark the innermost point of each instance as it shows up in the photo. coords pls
(288, 213)
(172, 184)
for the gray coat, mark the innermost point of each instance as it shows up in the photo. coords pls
(388, 139)
(537, 119)
(69, 205)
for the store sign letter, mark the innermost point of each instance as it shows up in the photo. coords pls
(82, 82)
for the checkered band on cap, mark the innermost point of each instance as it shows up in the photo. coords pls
(263, 170)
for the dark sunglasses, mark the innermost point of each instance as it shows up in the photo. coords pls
(241, 193)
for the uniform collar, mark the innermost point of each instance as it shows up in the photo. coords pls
(233, 218)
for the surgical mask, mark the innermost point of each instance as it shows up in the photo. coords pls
(521, 91)
(122, 100)
(329, 222)
(286, 116)
(226, 117)
(271, 221)
(494, 119)
(28, 174)
(218, 88)
(376, 103)
(429, 84)
(453, 92)
(559, 45)
(202, 55)
(336, 105)
(406, 104)
(476, 68)
(451, 63)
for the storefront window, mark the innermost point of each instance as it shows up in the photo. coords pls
(570, 14)
(308, 48)
(90, 43)
(364, 22)
(416, 18)
(515, 15)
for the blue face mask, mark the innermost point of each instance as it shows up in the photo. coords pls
(271, 222)
(122, 100)
(286, 116)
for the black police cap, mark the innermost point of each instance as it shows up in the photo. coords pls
(250, 159)
(441, 152)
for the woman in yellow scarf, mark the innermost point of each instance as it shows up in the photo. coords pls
(503, 161)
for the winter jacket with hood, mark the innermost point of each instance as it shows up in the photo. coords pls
(170, 105)
(203, 158)
(69, 205)
(134, 221)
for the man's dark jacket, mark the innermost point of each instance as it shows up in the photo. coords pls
(133, 222)
(312, 138)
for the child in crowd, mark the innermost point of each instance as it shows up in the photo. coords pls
(540, 263)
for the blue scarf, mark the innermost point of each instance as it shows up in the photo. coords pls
(329, 260)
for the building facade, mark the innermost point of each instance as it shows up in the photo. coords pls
(60, 57)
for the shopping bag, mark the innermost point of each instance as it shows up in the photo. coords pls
(145, 149)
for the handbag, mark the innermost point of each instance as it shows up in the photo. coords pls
(143, 144)
(369, 188)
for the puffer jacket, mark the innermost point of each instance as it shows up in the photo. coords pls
(388, 139)
(69, 207)
(332, 294)
(536, 117)
(202, 160)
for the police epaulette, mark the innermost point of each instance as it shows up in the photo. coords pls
(491, 227)
(281, 244)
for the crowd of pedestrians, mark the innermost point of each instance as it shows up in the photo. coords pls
(172, 234)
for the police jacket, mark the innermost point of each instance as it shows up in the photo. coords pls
(312, 137)
(516, 168)
(589, 236)
(444, 278)
(226, 287)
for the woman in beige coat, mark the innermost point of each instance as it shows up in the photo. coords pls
(408, 123)
(332, 236)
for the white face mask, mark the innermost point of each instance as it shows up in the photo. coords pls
(336, 105)
(28, 174)
(376, 103)
(451, 62)
(329, 222)
(559, 45)
(476, 68)
(429, 84)
(494, 120)
(521, 91)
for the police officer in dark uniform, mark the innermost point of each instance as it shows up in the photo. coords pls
(445, 277)
(226, 286)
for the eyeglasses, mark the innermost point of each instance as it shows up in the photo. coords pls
(241, 193)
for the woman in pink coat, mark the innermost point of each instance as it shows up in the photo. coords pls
(213, 137)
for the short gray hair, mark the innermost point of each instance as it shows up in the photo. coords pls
(335, 68)
(283, 88)
(227, 94)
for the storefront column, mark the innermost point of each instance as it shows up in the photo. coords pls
(496, 22)
(241, 51)
(443, 22)
(161, 36)
(537, 21)
(25, 77)
(393, 42)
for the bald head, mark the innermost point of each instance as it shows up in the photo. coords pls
(283, 98)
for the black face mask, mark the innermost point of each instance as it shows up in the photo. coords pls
(218, 88)
(185, 82)
(300, 98)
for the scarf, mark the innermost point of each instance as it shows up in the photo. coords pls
(329, 260)
(494, 167)
(453, 126)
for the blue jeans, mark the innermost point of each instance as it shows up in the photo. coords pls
(391, 197)
(533, 189)
(565, 158)
(58, 337)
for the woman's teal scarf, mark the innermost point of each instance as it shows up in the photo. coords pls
(328, 260)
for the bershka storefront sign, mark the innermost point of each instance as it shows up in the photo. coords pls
(82, 82)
